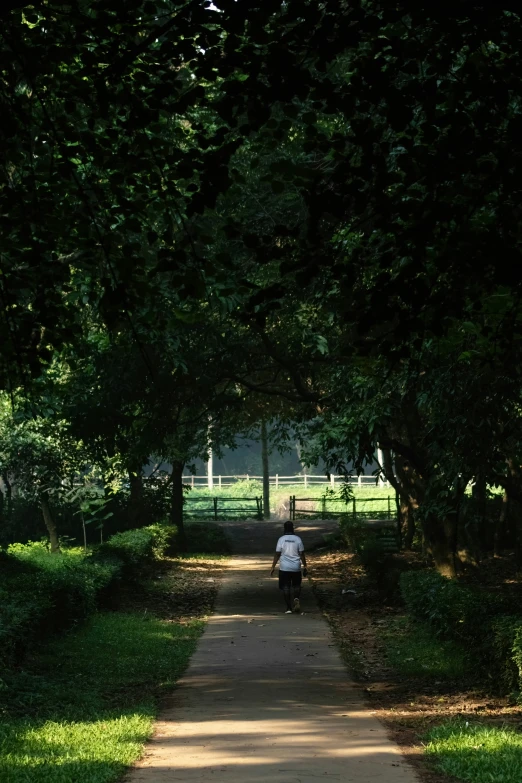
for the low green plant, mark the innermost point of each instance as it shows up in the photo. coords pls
(206, 538)
(415, 651)
(506, 650)
(517, 652)
(453, 610)
(476, 753)
(137, 549)
(42, 593)
(81, 711)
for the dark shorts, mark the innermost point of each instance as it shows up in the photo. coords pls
(289, 578)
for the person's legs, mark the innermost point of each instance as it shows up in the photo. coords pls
(285, 583)
(296, 582)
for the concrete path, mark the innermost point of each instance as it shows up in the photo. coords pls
(266, 697)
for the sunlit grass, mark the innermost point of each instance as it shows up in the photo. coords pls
(283, 492)
(481, 754)
(415, 651)
(53, 751)
(82, 710)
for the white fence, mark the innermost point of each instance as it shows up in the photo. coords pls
(301, 479)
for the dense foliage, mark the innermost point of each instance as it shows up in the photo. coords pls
(222, 214)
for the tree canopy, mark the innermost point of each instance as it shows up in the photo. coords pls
(213, 212)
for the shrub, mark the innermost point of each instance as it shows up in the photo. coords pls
(137, 549)
(516, 650)
(469, 616)
(206, 538)
(507, 652)
(453, 610)
(42, 593)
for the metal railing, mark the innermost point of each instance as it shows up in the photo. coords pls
(218, 507)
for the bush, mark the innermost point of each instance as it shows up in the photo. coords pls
(469, 616)
(516, 650)
(206, 538)
(137, 549)
(452, 610)
(42, 593)
(507, 651)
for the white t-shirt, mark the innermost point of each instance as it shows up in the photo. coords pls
(290, 547)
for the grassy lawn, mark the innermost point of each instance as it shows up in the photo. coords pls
(82, 709)
(476, 753)
(415, 651)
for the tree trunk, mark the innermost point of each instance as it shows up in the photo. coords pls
(500, 526)
(49, 523)
(514, 501)
(8, 495)
(84, 530)
(399, 481)
(266, 470)
(135, 508)
(408, 523)
(176, 505)
(440, 540)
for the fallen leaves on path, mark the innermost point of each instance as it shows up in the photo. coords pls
(179, 589)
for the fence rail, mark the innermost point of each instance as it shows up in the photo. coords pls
(306, 480)
(206, 507)
(355, 506)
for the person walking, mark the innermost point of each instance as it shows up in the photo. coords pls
(290, 554)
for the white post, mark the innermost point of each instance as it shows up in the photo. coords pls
(359, 480)
(277, 480)
(192, 481)
(219, 478)
(380, 461)
(332, 480)
(305, 481)
(210, 470)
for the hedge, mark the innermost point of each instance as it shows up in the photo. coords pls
(41, 593)
(471, 616)
(136, 549)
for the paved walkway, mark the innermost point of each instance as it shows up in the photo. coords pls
(266, 696)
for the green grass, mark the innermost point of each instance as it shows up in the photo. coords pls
(415, 651)
(282, 495)
(83, 708)
(476, 753)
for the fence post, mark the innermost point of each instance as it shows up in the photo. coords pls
(332, 480)
(247, 477)
(219, 481)
(323, 507)
(359, 480)
(354, 509)
(277, 481)
(305, 481)
(215, 508)
(292, 508)
(389, 508)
